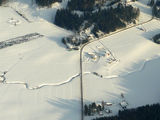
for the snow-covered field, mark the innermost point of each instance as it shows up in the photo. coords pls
(146, 11)
(130, 66)
(42, 63)
(40, 60)
(130, 48)
(58, 103)
(35, 13)
(139, 88)
(51, 73)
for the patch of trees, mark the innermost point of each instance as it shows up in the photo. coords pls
(134, 0)
(82, 5)
(46, 2)
(113, 2)
(156, 38)
(148, 112)
(156, 9)
(151, 2)
(66, 19)
(2, 1)
(19, 40)
(104, 20)
(92, 109)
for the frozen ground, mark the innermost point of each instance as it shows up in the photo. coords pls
(139, 88)
(129, 48)
(146, 11)
(58, 103)
(35, 13)
(40, 60)
(134, 72)
(51, 73)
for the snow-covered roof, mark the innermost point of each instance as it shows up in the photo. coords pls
(124, 104)
(108, 104)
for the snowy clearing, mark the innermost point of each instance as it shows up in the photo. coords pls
(139, 88)
(135, 74)
(59, 103)
(40, 78)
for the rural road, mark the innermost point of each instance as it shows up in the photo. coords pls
(81, 57)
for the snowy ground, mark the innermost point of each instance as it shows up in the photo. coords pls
(146, 11)
(130, 48)
(42, 58)
(58, 103)
(35, 13)
(44, 63)
(139, 88)
(134, 72)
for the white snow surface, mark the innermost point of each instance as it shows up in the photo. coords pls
(32, 11)
(44, 63)
(131, 48)
(135, 71)
(58, 103)
(39, 62)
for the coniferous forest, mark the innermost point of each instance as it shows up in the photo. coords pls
(46, 2)
(156, 38)
(148, 112)
(2, 1)
(100, 16)
(106, 20)
(96, 14)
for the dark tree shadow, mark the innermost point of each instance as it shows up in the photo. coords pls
(143, 9)
(72, 108)
(143, 86)
(57, 40)
(148, 35)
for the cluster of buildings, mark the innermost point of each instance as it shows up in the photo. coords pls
(104, 108)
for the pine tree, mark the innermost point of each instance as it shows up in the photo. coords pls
(86, 110)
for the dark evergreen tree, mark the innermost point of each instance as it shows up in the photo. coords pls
(66, 19)
(90, 110)
(93, 105)
(86, 110)
(105, 20)
(151, 2)
(82, 5)
(2, 1)
(46, 2)
(148, 112)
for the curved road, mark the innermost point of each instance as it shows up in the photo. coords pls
(81, 55)
(3, 79)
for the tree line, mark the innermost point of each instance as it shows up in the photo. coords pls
(156, 9)
(2, 1)
(148, 112)
(80, 15)
(156, 38)
(82, 5)
(92, 108)
(46, 2)
(106, 20)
